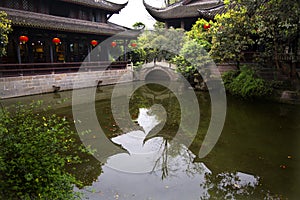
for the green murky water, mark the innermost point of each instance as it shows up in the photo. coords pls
(256, 157)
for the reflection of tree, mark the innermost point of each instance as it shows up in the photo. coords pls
(149, 95)
(235, 185)
(241, 134)
(229, 186)
(87, 171)
(174, 158)
(144, 98)
(163, 160)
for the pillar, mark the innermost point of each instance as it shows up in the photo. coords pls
(182, 25)
(166, 25)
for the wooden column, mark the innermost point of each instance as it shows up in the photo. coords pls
(90, 49)
(182, 25)
(19, 54)
(104, 53)
(125, 42)
(51, 52)
(166, 25)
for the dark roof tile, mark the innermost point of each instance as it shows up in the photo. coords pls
(50, 22)
(210, 13)
(101, 4)
(182, 9)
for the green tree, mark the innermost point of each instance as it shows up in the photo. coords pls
(271, 27)
(5, 29)
(192, 58)
(155, 45)
(159, 25)
(278, 30)
(201, 33)
(193, 54)
(232, 33)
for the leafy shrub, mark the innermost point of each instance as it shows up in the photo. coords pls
(201, 35)
(229, 76)
(283, 85)
(193, 59)
(245, 84)
(138, 66)
(5, 29)
(34, 151)
(183, 66)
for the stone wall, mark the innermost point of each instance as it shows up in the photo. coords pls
(31, 85)
(225, 67)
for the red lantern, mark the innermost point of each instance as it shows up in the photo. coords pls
(56, 41)
(113, 44)
(133, 45)
(206, 26)
(94, 43)
(23, 39)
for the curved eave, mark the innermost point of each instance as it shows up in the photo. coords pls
(210, 13)
(48, 22)
(178, 10)
(101, 4)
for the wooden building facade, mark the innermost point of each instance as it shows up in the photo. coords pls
(73, 24)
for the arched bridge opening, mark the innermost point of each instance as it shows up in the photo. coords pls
(157, 71)
(157, 75)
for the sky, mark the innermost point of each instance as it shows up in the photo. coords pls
(135, 12)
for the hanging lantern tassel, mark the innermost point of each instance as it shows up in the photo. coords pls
(133, 45)
(94, 43)
(113, 44)
(23, 39)
(56, 41)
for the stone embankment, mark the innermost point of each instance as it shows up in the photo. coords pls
(39, 84)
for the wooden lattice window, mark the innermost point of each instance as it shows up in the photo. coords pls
(19, 4)
(10, 4)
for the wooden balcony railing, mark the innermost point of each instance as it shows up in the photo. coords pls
(27, 69)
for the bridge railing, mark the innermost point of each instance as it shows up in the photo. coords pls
(27, 69)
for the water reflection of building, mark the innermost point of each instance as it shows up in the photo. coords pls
(174, 168)
(233, 168)
(74, 24)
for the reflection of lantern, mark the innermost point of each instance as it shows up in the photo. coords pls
(94, 43)
(133, 45)
(56, 41)
(206, 26)
(23, 39)
(113, 44)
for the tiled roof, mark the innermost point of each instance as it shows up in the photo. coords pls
(50, 22)
(182, 9)
(101, 4)
(210, 13)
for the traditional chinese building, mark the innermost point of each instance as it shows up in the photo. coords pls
(185, 13)
(47, 31)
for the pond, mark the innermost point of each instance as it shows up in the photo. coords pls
(256, 157)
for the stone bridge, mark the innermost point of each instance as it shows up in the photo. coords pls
(157, 71)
